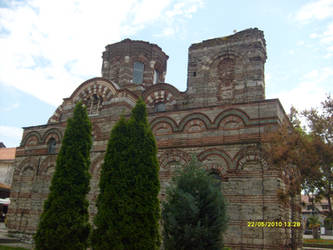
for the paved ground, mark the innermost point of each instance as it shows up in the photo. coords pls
(326, 237)
(5, 240)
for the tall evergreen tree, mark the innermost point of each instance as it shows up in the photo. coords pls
(194, 214)
(64, 221)
(128, 205)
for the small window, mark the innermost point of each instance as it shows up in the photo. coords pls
(159, 107)
(93, 104)
(138, 72)
(51, 146)
(216, 178)
(156, 76)
(324, 206)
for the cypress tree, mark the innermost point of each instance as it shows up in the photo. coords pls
(128, 205)
(64, 220)
(194, 214)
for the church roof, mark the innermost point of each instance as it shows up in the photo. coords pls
(7, 153)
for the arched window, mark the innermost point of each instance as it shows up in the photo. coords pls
(156, 76)
(159, 107)
(51, 146)
(226, 70)
(93, 104)
(138, 69)
(217, 178)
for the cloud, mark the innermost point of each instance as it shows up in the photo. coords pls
(316, 10)
(48, 48)
(320, 13)
(310, 91)
(171, 15)
(10, 135)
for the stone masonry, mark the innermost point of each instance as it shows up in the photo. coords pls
(220, 118)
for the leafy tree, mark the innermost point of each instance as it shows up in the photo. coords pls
(194, 214)
(290, 146)
(64, 220)
(314, 224)
(310, 150)
(128, 205)
(321, 130)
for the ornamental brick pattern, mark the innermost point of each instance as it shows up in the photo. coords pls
(220, 118)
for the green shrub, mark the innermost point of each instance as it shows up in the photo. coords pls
(64, 220)
(194, 214)
(128, 206)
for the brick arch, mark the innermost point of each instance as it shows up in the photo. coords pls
(46, 163)
(162, 128)
(140, 58)
(30, 161)
(231, 122)
(154, 93)
(53, 132)
(26, 169)
(218, 152)
(159, 96)
(30, 135)
(232, 62)
(195, 126)
(95, 85)
(164, 119)
(231, 112)
(226, 53)
(250, 154)
(173, 155)
(195, 116)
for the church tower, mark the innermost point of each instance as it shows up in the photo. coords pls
(134, 65)
(228, 69)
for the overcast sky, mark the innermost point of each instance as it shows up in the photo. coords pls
(48, 48)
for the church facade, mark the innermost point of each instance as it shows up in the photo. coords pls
(220, 118)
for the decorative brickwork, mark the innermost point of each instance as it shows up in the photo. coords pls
(220, 118)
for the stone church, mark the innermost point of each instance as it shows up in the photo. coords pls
(220, 118)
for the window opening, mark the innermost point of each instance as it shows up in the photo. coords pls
(159, 107)
(51, 146)
(138, 72)
(156, 76)
(94, 103)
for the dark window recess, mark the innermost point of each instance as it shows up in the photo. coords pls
(51, 146)
(94, 104)
(194, 74)
(217, 178)
(159, 107)
(138, 72)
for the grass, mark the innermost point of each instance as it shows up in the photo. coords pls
(319, 241)
(12, 248)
